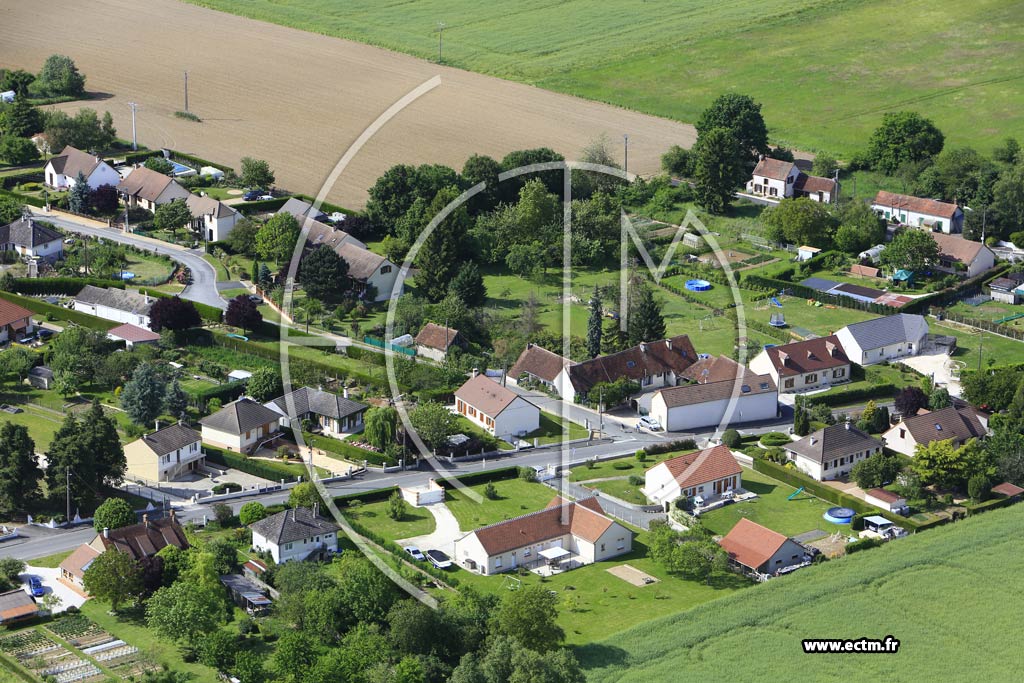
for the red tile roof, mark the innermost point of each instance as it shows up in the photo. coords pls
(486, 395)
(773, 168)
(558, 519)
(887, 496)
(437, 337)
(929, 207)
(644, 360)
(133, 333)
(796, 358)
(701, 467)
(11, 312)
(751, 544)
(1007, 489)
(539, 362)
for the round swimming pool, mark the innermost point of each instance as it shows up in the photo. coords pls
(839, 515)
(698, 285)
(127, 275)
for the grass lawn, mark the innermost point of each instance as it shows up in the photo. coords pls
(515, 498)
(129, 625)
(1002, 350)
(50, 561)
(622, 489)
(464, 426)
(899, 589)
(897, 374)
(374, 516)
(222, 271)
(990, 311)
(673, 63)
(551, 430)
(772, 509)
(619, 467)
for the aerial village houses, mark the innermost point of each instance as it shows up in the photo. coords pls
(804, 365)
(212, 219)
(884, 339)
(132, 335)
(137, 541)
(61, 172)
(32, 239)
(298, 534)
(239, 426)
(497, 409)
(327, 412)
(434, 341)
(886, 500)
(922, 213)
(119, 305)
(707, 473)
(962, 257)
(652, 365)
(538, 365)
(167, 454)
(564, 533)
(958, 423)
(783, 180)
(718, 387)
(831, 453)
(761, 551)
(17, 605)
(1005, 290)
(366, 268)
(148, 189)
(15, 321)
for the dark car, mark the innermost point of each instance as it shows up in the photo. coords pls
(253, 195)
(36, 587)
(439, 559)
(45, 334)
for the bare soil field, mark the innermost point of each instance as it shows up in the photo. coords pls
(299, 99)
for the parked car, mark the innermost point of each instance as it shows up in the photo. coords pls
(264, 197)
(414, 552)
(253, 195)
(439, 559)
(255, 299)
(35, 586)
(27, 339)
(45, 333)
(648, 422)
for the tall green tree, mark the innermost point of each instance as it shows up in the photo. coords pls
(185, 611)
(645, 322)
(276, 238)
(718, 168)
(439, 257)
(912, 250)
(60, 76)
(324, 274)
(799, 221)
(113, 576)
(380, 426)
(113, 513)
(480, 168)
(17, 80)
(433, 422)
(143, 396)
(256, 173)
(903, 137)
(594, 329)
(175, 399)
(172, 216)
(265, 384)
(19, 468)
(21, 119)
(468, 285)
(741, 116)
(78, 195)
(89, 448)
(529, 616)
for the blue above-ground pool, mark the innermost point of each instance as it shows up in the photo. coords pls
(698, 285)
(127, 275)
(839, 515)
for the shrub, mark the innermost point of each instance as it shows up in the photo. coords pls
(528, 474)
(979, 488)
(226, 487)
(490, 492)
(731, 438)
(775, 439)
(622, 465)
(222, 513)
(641, 455)
(636, 480)
(396, 507)
(253, 511)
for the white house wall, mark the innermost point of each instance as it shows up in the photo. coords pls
(520, 417)
(114, 314)
(899, 439)
(711, 413)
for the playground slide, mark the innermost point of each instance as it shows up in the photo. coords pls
(795, 493)
(775, 302)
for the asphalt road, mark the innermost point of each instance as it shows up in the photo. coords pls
(204, 277)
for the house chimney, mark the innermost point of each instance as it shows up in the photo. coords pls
(668, 344)
(344, 392)
(174, 515)
(145, 520)
(847, 424)
(157, 423)
(643, 347)
(106, 532)
(831, 348)
(813, 441)
(476, 371)
(316, 509)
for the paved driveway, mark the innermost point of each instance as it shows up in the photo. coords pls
(68, 597)
(938, 365)
(444, 536)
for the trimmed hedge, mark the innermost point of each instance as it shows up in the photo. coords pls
(371, 496)
(225, 392)
(24, 198)
(60, 313)
(683, 445)
(210, 314)
(241, 463)
(886, 390)
(65, 286)
(247, 208)
(992, 504)
(30, 176)
(347, 450)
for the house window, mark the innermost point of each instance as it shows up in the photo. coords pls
(497, 561)
(789, 384)
(839, 373)
(620, 543)
(287, 546)
(813, 377)
(602, 547)
(385, 269)
(903, 433)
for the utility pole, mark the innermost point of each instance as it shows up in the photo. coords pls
(441, 26)
(67, 493)
(981, 340)
(135, 145)
(625, 153)
(186, 92)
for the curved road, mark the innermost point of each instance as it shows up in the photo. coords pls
(204, 277)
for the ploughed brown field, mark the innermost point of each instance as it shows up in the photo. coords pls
(299, 99)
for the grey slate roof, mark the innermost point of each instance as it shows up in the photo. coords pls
(306, 400)
(833, 442)
(170, 439)
(73, 161)
(239, 417)
(25, 232)
(887, 330)
(292, 525)
(299, 209)
(120, 299)
(957, 423)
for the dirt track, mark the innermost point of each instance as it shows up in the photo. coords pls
(300, 99)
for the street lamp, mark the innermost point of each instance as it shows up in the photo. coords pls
(625, 152)
(441, 26)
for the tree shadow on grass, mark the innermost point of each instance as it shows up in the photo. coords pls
(600, 655)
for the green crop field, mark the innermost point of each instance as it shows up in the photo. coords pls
(912, 589)
(957, 62)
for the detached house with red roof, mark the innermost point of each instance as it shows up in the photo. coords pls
(563, 535)
(15, 321)
(61, 172)
(922, 213)
(783, 180)
(497, 409)
(804, 365)
(761, 551)
(435, 341)
(707, 473)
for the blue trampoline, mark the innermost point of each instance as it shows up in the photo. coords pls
(698, 285)
(839, 515)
